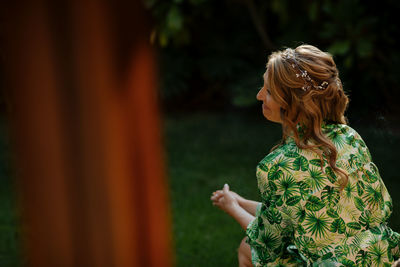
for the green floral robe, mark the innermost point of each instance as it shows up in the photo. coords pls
(303, 219)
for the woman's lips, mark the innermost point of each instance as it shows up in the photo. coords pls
(264, 107)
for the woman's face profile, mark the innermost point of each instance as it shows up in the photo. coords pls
(270, 108)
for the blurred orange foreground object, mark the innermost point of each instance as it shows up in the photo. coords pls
(87, 134)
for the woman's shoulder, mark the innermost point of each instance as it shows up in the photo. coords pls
(277, 164)
(344, 137)
(349, 144)
(343, 134)
(280, 155)
(342, 129)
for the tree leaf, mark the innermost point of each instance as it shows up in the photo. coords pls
(316, 162)
(263, 167)
(274, 173)
(338, 225)
(300, 230)
(300, 163)
(300, 215)
(330, 196)
(279, 200)
(360, 205)
(291, 201)
(304, 188)
(372, 177)
(375, 230)
(272, 186)
(363, 258)
(317, 224)
(291, 154)
(273, 216)
(314, 203)
(341, 250)
(332, 213)
(360, 187)
(351, 140)
(365, 218)
(354, 225)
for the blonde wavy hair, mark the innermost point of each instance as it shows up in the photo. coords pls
(294, 78)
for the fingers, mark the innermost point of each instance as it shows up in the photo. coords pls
(226, 188)
(218, 192)
(216, 196)
(218, 202)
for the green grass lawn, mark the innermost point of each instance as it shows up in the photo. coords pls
(206, 150)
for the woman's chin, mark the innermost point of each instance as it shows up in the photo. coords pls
(267, 114)
(269, 118)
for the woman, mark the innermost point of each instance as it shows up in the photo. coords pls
(323, 200)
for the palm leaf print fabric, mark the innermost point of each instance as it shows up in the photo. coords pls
(304, 219)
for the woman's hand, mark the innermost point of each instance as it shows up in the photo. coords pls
(226, 200)
(229, 202)
(219, 193)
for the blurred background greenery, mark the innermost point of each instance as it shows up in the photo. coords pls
(214, 52)
(211, 57)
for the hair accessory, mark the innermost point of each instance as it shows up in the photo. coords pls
(289, 56)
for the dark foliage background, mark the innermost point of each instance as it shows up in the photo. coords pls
(213, 53)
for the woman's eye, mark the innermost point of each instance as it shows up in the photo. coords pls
(268, 91)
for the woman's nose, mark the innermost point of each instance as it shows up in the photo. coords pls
(259, 95)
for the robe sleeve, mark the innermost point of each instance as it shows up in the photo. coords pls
(271, 231)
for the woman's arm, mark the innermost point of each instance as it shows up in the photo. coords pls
(241, 216)
(228, 201)
(249, 205)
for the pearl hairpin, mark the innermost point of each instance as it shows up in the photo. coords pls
(289, 55)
